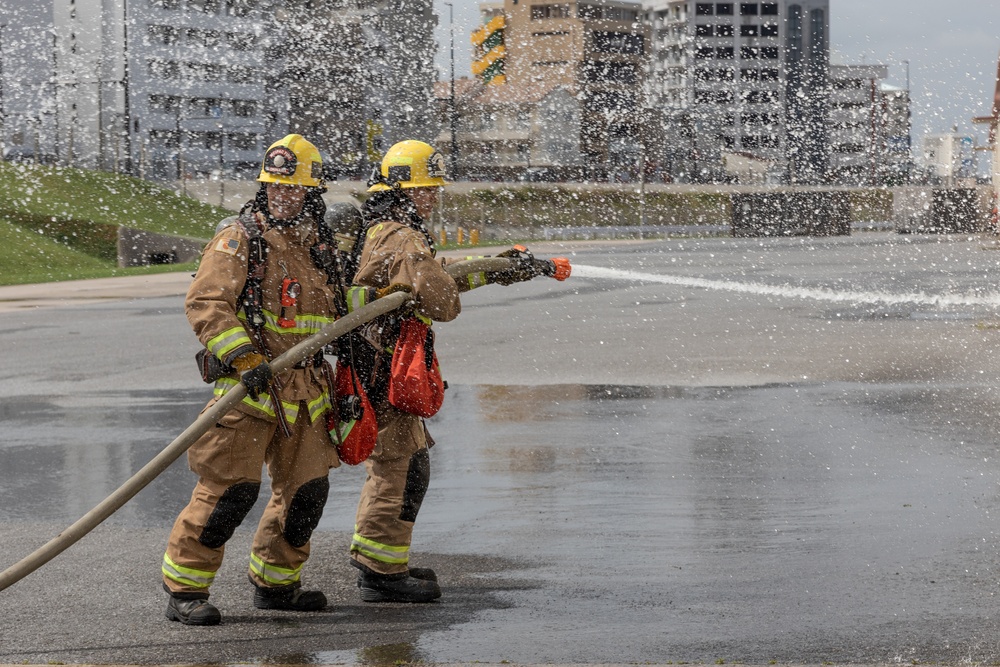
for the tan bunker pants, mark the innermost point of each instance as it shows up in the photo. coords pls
(398, 474)
(228, 460)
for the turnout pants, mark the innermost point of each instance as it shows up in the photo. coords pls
(398, 474)
(228, 460)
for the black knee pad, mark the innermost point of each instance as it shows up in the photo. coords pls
(418, 477)
(305, 511)
(229, 512)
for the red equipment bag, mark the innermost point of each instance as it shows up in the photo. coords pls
(352, 424)
(415, 383)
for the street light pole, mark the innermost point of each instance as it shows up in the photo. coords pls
(3, 108)
(452, 111)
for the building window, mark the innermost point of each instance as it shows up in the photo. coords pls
(240, 7)
(704, 52)
(164, 103)
(238, 74)
(206, 38)
(163, 69)
(769, 8)
(210, 140)
(704, 30)
(589, 12)
(703, 9)
(165, 4)
(207, 6)
(751, 142)
(726, 141)
(749, 52)
(760, 96)
(610, 72)
(724, 30)
(549, 12)
(240, 41)
(623, 43)
(724, 8)
(243, 141)
(748, 31)
(749, 75)
(725, 53)
(164, 138)
(768, 74)
(748, 9)
(244, 108)
(769, 52)
(769, 30)
(163, 34)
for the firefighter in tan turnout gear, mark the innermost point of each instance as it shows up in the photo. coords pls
(398, 249)
(258, 292)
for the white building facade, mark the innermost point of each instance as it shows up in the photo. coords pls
(741, 77)
(180, 88)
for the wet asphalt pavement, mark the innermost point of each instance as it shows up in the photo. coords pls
(735, 450)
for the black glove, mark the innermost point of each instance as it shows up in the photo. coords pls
(257, 380)
(523, 267)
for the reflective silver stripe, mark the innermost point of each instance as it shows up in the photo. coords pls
(305, 324)
(380, 552)
(318, 406)
(228, 341)
(272, 574)
(187, 576)
(356, 298)
(264, 403)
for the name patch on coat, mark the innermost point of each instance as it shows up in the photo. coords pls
(228, 246)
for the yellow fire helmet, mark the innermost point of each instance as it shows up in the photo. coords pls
(292, 161)
(412, 164)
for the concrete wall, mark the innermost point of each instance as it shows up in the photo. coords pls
(140, 248)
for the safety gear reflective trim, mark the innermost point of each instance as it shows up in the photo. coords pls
(426, 320)
(477, 279)
(318, 406)
(356, 298)
(227, 341)
(263, 403)
(186, 576)
(272, 574)
(380, 552)
(305, 324)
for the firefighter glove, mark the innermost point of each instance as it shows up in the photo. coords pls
(522, 269)
(248, 361)
(257, 376)
(382, 292)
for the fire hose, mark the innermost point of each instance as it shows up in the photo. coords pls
(558, 268)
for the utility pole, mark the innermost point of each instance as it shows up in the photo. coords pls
(3, 108)
(452, 110)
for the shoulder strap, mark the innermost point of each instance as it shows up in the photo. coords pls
(251, 298)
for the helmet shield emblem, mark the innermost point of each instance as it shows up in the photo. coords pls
(435, 165)
(280, 161)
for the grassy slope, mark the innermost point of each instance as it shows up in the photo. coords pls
(59, 223)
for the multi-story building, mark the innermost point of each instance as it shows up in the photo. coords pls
(741, 77)
(857, 124)
(158, 87)
(362, 77)
(564, 90)
(869, 127)
(170, 88)
(898, 134)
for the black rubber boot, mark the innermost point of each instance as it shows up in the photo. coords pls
(288, 598)
(402, 587)
(193, 611)
(425, 573)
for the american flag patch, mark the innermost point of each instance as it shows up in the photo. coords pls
(228, 246)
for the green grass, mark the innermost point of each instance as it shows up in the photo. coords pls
(58, 223)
